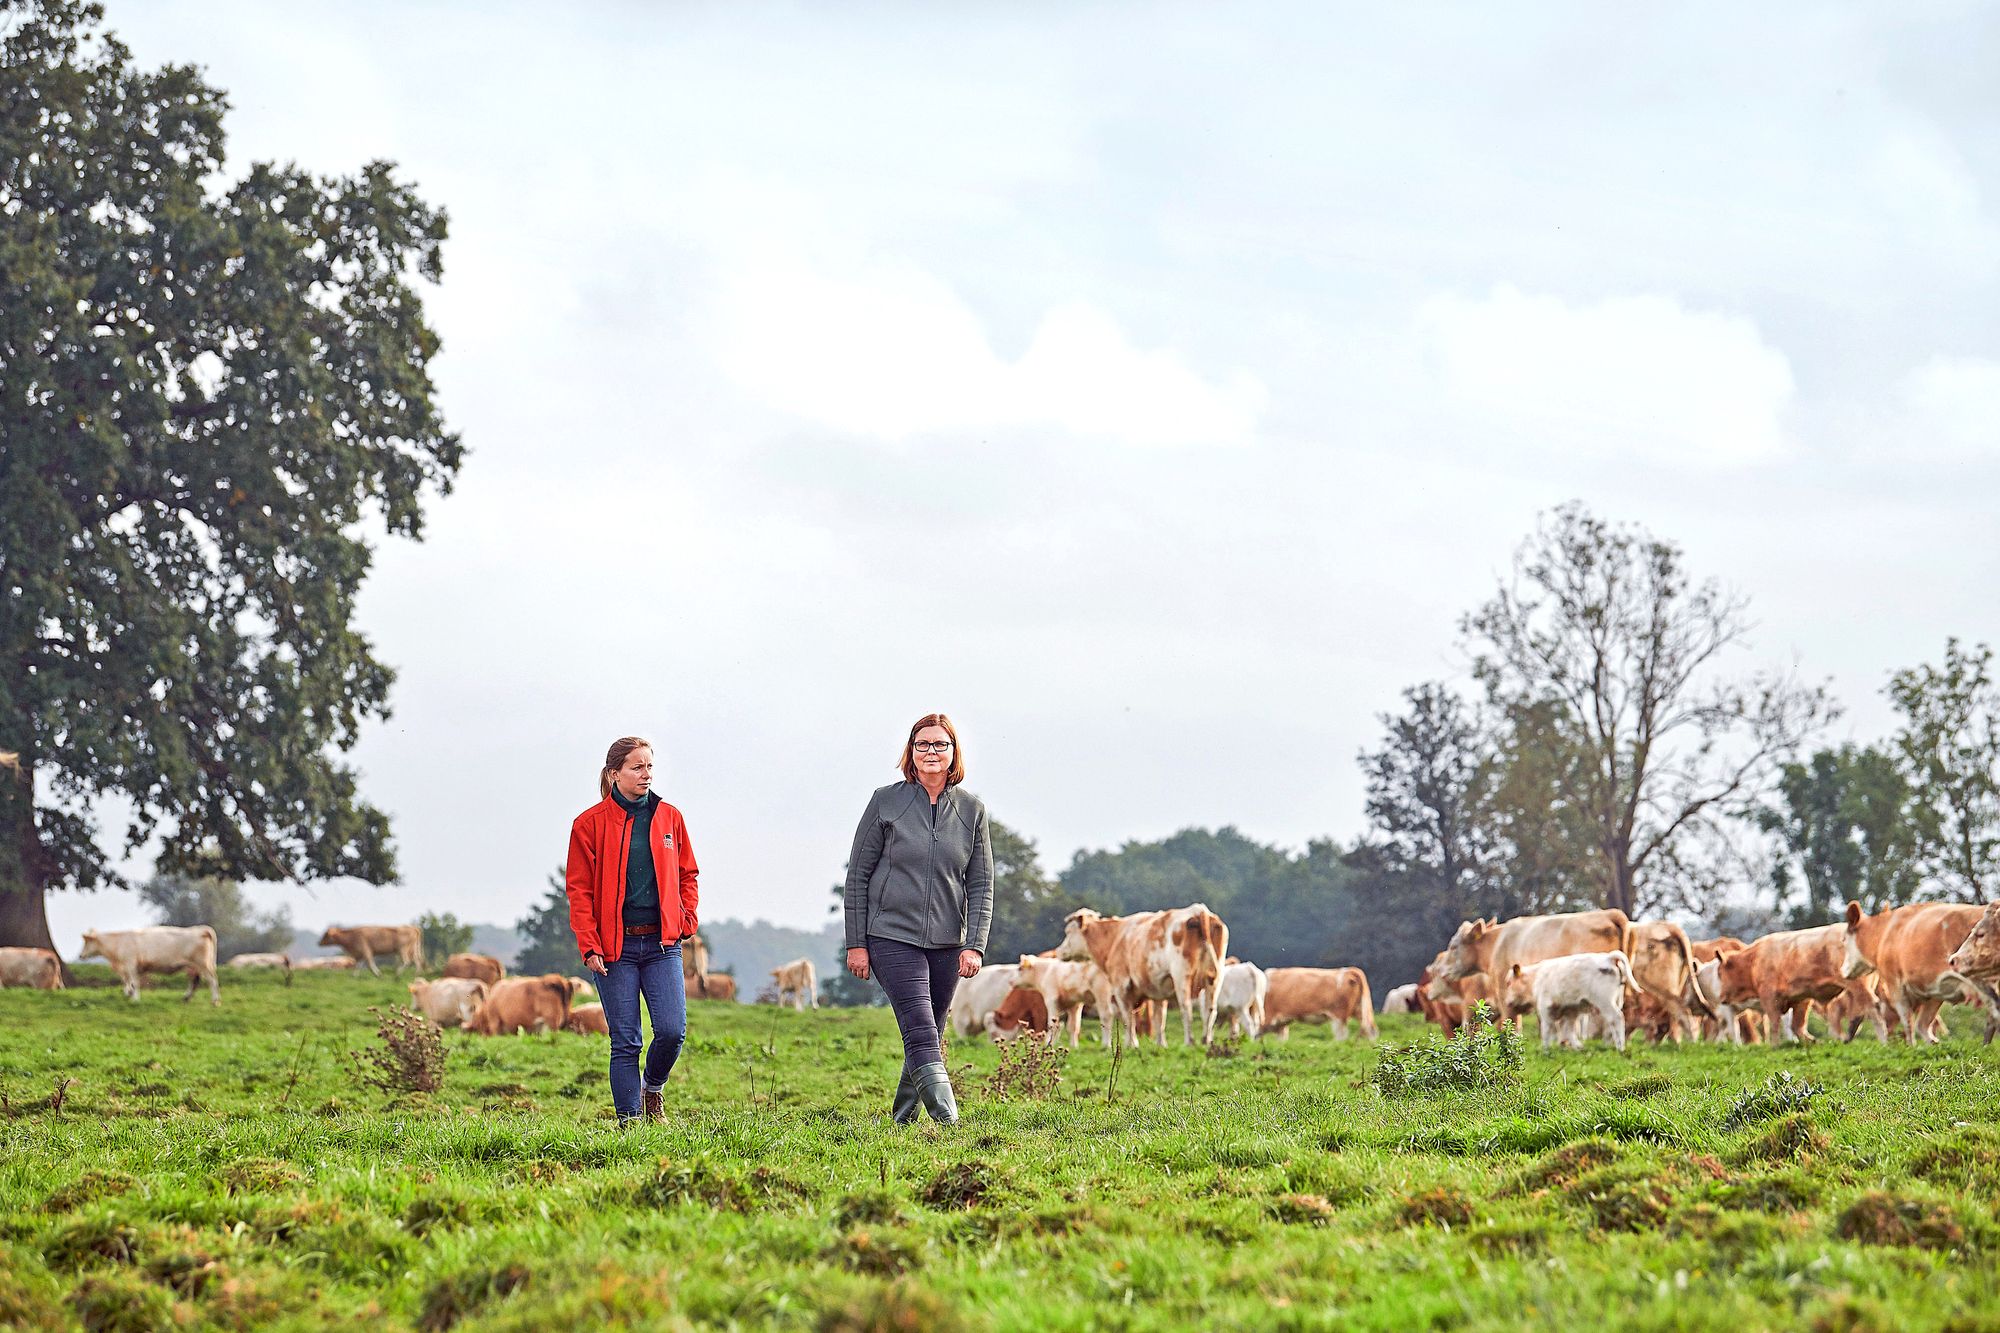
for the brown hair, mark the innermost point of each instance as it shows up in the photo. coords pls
(614, 759)
(956, 773)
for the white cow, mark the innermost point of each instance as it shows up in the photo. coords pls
(450, 1002)
(978, 997)
(189, 949)
(283, 960)
(1568, 988)
(38, 969)
(1239, 998)
(798, 984)
(1066, 986)
(1402, 1000)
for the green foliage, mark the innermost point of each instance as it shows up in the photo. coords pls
(1028, 906)
(1780, 1094)
(444, 935)
(213, 386)
(1844, 825)
(1949, 746)
(1481, 1054)
(177, 900)
(1029, 1068)
(411, 1058)
(551, 944)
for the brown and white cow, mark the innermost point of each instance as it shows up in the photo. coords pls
(1175, 954)
(1782, 974)
(449, 1002)
(1402, 1000)
(588, 1018)
(1446, 1002)
(713, 986)
(1846, 1012)
(364, 944)
(1909, 949)
(1494, 947)
(474, 967)
(37, 969)
(189, 949)
(524, 1004)
(1978, 956)
(1022, 1013)
(798, 984)
(1066, 988)
(1335, 995)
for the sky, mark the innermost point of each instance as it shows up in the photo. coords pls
(1151, 388)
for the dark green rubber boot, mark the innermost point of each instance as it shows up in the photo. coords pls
(934, 1091)
(904, 1111)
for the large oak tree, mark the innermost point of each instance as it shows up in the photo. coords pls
(211, 389)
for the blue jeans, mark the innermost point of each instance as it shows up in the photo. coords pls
(644, 968)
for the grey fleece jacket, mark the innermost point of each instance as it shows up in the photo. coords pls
(923, 882)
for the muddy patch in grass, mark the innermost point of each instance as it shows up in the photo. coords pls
(962, 1185)
(1440, 1207)
(1880, 1218)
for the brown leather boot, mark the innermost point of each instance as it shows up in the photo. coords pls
(653, 1104)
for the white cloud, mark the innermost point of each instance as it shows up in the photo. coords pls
(1953, 404)
(1638, 375)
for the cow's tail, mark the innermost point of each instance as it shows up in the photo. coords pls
(1694, 986)
(559, 987)
(1367, 1008)
(1625, 972)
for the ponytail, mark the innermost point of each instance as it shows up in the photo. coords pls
(614, 759)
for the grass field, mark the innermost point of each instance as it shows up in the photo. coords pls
(225, 1168)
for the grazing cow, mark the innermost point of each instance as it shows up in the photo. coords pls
(449, 1002)
(1066, 987)
(1909, 949)
(588, 1018)
(979, 997)
(1977, 958)
(714, 986)
(1730, 1024)
(524, 1004)
(189, 949)
(1023, 1011)
(340, 964)
(364, 944)
(38, 969)
(1243, 998)
(1573, 986)
(475, 967)
(1783, 974)
(1336, 995)
(1175, 954)
(1494, 947)
(694, 960)
(1402, 1000)
(281, 960)
(798, 984)
(1446, 1002)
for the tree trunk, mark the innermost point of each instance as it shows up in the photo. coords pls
(1621, 895)
(24, 918)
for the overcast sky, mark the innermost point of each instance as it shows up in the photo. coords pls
(1149, 387)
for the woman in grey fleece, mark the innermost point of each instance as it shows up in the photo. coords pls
(919, 900)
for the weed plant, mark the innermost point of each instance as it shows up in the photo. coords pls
(1481, 1054)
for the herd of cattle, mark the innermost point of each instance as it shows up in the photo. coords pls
(1584, 974)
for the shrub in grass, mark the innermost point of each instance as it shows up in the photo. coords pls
(1879, 1218)
(1029, 1069)
(1481, 1054)
(452, 1298)
(115, 1303)
(411, 1056)
(1780, 1094)
(88, 1188)
(1443, 1207)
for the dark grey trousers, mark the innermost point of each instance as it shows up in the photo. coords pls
(919, 984)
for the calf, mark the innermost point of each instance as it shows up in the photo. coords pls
(524, 1004)
(342, 964)
(1977, 958)
(364, 944)
(588, 1018)
(475, 967)
(978, 997)
(1243, 998)
(1494, 947)
(189, 949)
(1909, 949)
(712, 986)
(1335, 995)
(449, 1002)
(1402, 1000)
(1066, 987)
(1023, 1011)
(798, 984)
(1568, 988)
(37, 969)
(280, 960)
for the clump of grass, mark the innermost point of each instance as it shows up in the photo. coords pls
(411, 1058)
(868, 1207)
(1791, 1139)
(1620, 1200)
(1780, 1094)
(1029, 1068)
(1646, 1085)
(883, 1253)
(88, 1188)
(27, 1304)
(1777, 1193)
(1566, 1164)
(93, 1241)
(452, 1298)
(892, 1308)
(259, 1175)
(115, 1303)
(1968, 1160)
(1482, 1054)
(692, 1180)
(1311, 1210)
(1511, 1239)
(187, 1272)
(1440, 1207)
(426, 1215)
(961, 1185)
(1880, 1218)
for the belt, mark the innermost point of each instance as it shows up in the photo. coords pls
(642, 930)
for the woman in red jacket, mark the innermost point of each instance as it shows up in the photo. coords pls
(632, 898)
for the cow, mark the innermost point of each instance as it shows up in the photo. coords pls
(1977, 957)
(1738, 1026)
(714, 986)
(1023, 1011)
(1336, 995)
(449, 1002)
(1494, 947)
(1850, 1008)
(1569, 988)
(524, 1004)
(1663, 963)
(694, 960)
(1909, 950)
(1782, 974)
(475, 967)
(37, 969)
(364, 944)
(189, 949)
(798, 984)
(979, 997)
(1402, 1000)
(280, 960)
(1446, 1002)
(1066, 987)
(1243, 998)
(1175, 954)
(588, 1018)
(340, 964)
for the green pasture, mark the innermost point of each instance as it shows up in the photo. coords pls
(227, 1168)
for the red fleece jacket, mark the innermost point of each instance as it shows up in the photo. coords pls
(600, 840)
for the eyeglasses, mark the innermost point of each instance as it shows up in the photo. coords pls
(930, 747)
